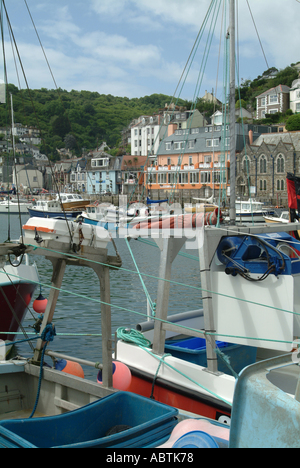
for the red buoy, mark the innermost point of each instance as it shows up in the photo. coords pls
(40, 304)
(121, 376)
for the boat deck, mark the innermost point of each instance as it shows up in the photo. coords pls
(21, 414)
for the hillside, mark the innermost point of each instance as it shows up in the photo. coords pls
(93, 118)
(90, 117)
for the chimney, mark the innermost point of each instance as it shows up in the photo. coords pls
(250, 137)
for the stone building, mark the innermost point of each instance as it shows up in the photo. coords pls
(262, 167)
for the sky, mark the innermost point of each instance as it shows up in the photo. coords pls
(136, 48)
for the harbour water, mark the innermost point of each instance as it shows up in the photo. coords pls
(78, 316)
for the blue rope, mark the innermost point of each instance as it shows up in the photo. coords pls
(47, 335)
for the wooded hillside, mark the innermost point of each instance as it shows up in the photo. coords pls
(93, 118)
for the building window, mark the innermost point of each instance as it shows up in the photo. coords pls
(246, 164)
(172, 177)
(168, 146)
(212, 143)
(280, 164)
(194, 177)
(280, 185)
(273, 99)
(161, 178)
(179, 145)
(262, 185)
(190, 160)
(184, 178)
(263, 165)
(205, 178)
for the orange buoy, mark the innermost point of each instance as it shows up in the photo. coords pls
(40, 304)
(121, 376)
(69, 367)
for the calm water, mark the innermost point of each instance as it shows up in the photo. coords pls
(81, 316)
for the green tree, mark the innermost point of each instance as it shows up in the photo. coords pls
(293, 123)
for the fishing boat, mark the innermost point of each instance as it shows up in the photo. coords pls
(249, 277)
(252, 210)
(51, 209)
(18, 281)
(72, 201)
(96, 416)
(112, 217)
(283, 218)
(250, 281)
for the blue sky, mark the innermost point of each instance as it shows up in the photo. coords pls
(136, 48)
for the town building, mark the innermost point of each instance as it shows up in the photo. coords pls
(262, 167)
(133, 174)
(27, 177)
(104, 174)
(273, 101)
(295, 96)
(148, 132)
(198, 160)
(78, 176)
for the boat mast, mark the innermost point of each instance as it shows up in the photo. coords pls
(231, 33)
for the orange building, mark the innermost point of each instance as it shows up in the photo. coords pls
(198, 158)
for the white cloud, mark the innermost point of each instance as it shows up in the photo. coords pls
(137, 46)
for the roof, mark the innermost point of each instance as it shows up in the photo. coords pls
(280, 89)
(291, 138)
(132, 161)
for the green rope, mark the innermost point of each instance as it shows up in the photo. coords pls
(133, 336)
(151, 303)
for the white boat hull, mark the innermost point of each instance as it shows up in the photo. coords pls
(39, 231)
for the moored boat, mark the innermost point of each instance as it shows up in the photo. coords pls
(18, 282)
(51, 209)
(14, 206)
(283, 218)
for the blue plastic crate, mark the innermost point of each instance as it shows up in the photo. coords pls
(147, 420)
(194, 350)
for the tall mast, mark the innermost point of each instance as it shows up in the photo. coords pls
(232, 212)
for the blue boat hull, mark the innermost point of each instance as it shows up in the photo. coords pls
(143, 423)
(53, 214)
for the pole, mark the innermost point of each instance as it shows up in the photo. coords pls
(232, 113)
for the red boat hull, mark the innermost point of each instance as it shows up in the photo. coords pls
(178, 397)
(14, 299)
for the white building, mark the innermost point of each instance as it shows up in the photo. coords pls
(146, 135)
(295, 96)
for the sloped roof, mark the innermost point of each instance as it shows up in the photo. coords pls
(278, 90)
(291, 138)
